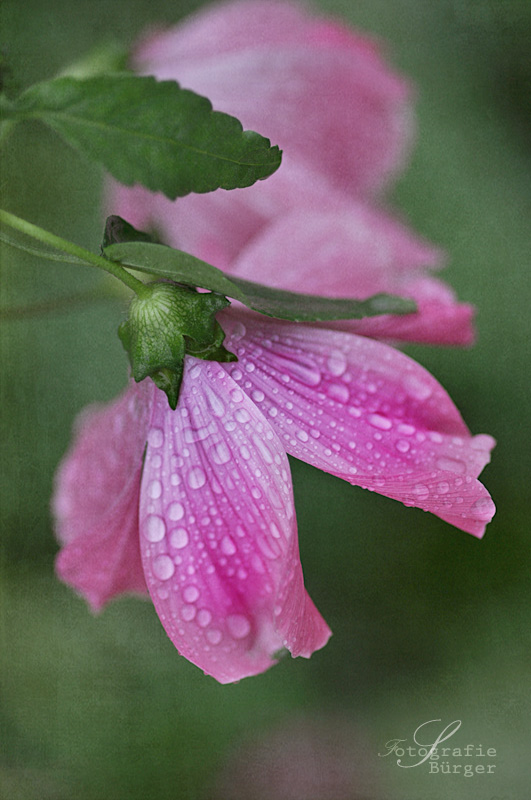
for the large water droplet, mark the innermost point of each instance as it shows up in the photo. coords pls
(188, 613)
(483, 509)
(242, 415)
(155, 437)
(154, 528)
(402, 446)
(179, 538)
(163, 567)
(421, 490)
(204, 617)
(451, 465)
(196, 478)
(381, 422)
(227, 546)
(154, 489)
(339, 392)
(416, 387)
(214, 636)
(220, 453)
(238, 625)
(337, 363)
(191, 593)
(175, 512)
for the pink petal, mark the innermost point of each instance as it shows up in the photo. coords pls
(95, 503)
(352, 250)
(218, 531)
(318, 90)
(365, 412)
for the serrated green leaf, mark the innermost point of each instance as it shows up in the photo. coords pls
(157, 259)
(154, 133)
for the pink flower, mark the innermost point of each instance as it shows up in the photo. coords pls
(206, 522)
(344, 121)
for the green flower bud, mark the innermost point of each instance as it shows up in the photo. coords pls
(165, 323)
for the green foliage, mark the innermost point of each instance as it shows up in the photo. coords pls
(157, 259)
(149, 132)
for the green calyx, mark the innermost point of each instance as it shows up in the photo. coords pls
(165, 323)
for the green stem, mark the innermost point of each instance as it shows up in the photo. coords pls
(72, 249)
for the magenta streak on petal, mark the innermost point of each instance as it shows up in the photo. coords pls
(218, 532)
(96, 500)
(365, 412)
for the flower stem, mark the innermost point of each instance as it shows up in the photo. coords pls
(79, 253)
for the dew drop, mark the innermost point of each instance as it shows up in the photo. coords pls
(483, 509)
(227, 546)
(257, 395)
(163, 567)
(242, 415)
(154, 490)
(406, 430)
(155, 437)
(204, 617)
(238, 625)
(179, 538)
(196, 478)
(302, 436)
(154, 528)
(421, 490)
(443, 487)
(378, 421)
(188, 613)
(339, 392)
(402, 446)
(416, 387)
(214, 636)
(451, 465)
(236, 395)
(175, 512)
(337, 363)
(245, 452)
(190, 593)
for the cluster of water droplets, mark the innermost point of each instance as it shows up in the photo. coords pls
(366, 412)
(216, 517)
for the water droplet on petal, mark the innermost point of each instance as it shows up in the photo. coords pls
(337, 363)
(154, 528)
(196, 478)
(483, 509)
(451, 465)
(155, 437)
(154, 490)
(191, 593)
(227, 546)
(238, 625)
(416, 387)
(443, 487)
(163, 567)
(406, 430)
(179, 538)
(379, 421)
(204, 617)
(245, 452)
(402, 446)
(188, 613)
(421, 490)
(175, 512)
(214, 636)
(242, 415)
(339, 392)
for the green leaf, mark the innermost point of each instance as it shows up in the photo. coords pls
(153, 133)
(157, 259)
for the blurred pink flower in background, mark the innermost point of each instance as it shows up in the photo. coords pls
(345, 123)
(195, 505)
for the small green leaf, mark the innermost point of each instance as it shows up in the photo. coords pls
(149, 132)
(157, 259)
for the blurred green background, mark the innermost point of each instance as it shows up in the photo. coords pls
(428, 622)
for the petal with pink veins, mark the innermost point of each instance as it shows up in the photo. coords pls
(218, 531)
(96, 498)
(365, 412)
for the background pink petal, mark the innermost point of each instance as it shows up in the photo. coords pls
(365, 412)
(312, 86)
(352, 250)
(218, 531)
(95, 503)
